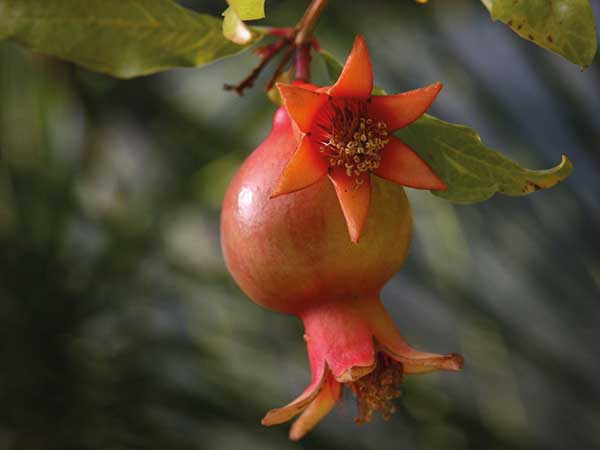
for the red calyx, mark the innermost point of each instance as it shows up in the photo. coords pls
(356, 344)
(347, 135)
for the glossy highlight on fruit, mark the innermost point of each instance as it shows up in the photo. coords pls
(292, 254)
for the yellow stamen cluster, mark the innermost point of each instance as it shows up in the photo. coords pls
(378, 390)
(355, 145)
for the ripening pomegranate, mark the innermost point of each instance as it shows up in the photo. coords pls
(286, 241)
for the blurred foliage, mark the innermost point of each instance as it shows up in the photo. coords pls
(120, 328)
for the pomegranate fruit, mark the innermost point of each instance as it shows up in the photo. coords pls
(292, 254)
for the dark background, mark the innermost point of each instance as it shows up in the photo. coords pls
(121, 329)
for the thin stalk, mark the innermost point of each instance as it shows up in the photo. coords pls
(309, 20)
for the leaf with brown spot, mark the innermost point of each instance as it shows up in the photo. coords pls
(565, 27)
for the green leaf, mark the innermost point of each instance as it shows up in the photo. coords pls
(565, 27)
(332, 65)
(472, 171)
(123, 38)
(248, 9)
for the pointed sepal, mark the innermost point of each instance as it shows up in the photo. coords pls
(390, 340)
(400, 164)
(305, 167)
(295, 407)
(302, 104)
(400, 110)
(355, 199)
(415, 362)
(356, 79)
(321, 406)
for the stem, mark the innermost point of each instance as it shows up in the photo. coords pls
(282, 63)
(303, 63)
(304, 39)
(309, 20)
(298, 38)
(248, 82)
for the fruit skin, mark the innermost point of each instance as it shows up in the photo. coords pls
(292, 253)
